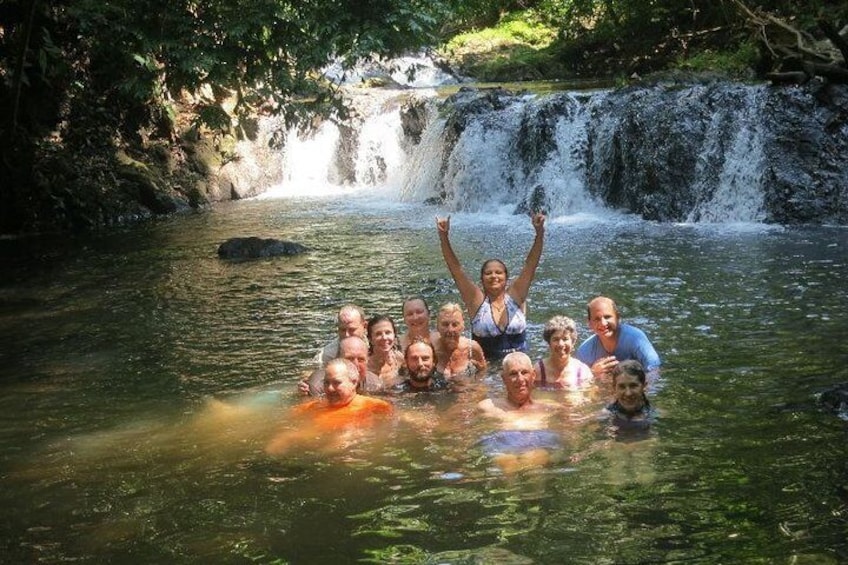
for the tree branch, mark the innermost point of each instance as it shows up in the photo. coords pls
(833, 35)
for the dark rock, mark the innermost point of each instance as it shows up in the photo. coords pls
(243, 248)
(413, 118)
(536, 137)
(536, 202)
(145, 185)
(835, 399)
(435, 200)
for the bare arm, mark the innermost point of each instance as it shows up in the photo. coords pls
(471, 294)
(487, 407)
(521, 286)
(477, 357)
(286, 440)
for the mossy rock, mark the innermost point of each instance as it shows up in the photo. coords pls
(146, 185)
(204, 157)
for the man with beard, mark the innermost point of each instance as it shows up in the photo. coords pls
(421, 376)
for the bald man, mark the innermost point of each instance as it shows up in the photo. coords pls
(321, 422)
(355, 350)
(614, 341)
(350, 321)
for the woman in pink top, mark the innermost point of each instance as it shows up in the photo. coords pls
(559, 369)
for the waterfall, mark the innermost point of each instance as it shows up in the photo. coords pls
(523, 155)
(366, 152)
(738, 193)
(697, 153)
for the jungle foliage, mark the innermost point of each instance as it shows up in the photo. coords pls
(84, 78)
(92, 89)
(622, 38)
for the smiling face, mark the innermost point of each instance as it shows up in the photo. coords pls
(416, 316)
(629, 392)
(450, 325)
(561, 343)
(518, 377)
(603, 318)
(420, 361)
(339, 387)
(493, 277)
(382, 336)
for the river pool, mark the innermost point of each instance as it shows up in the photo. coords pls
(141, 377)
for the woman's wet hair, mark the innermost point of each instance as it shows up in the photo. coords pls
(501, 263)
(559, 324)
(630, 367)
(409, 299)
(373, 321)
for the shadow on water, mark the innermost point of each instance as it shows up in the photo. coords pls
(142, 377)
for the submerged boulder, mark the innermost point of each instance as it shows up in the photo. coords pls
(242, 248)
(835, 399)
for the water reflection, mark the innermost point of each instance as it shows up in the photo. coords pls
(117, 349)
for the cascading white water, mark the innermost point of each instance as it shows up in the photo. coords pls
(484, 169)
(423, 169)
(738, 196)
(309, 159)
(483, 166)
(561, 172)
(326, 160)
(379, 156)
(479, 167)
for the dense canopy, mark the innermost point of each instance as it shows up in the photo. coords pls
(91, 86)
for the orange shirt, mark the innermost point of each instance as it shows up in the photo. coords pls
(359, 410)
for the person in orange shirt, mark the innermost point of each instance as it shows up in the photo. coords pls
(341, 408)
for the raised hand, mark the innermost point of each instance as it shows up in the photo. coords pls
(538, 220)
(443, 224)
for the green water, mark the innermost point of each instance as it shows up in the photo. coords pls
(116, 349)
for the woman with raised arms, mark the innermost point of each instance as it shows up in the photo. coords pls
(496, 308)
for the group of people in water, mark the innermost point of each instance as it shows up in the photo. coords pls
(370, 358)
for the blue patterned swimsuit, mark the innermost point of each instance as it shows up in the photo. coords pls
(497, 342)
